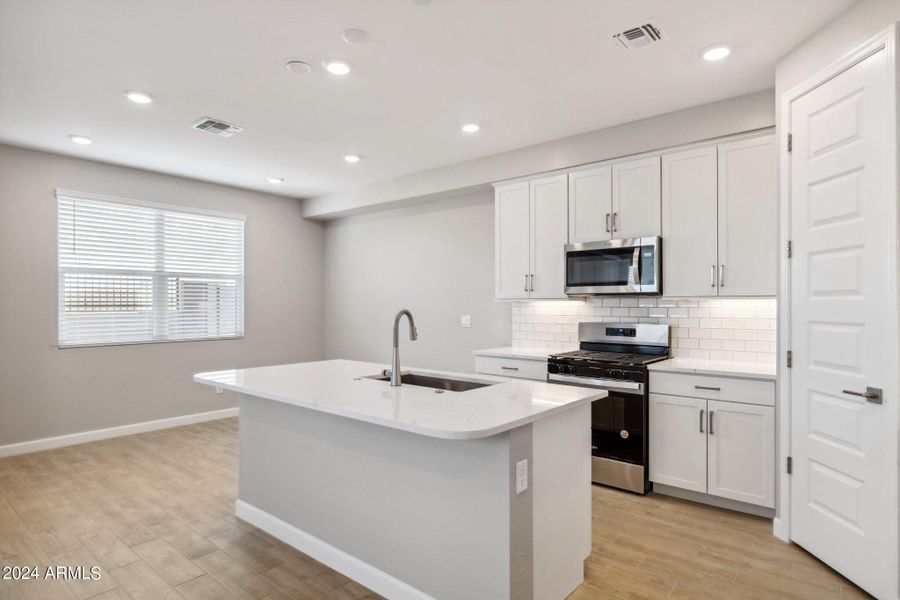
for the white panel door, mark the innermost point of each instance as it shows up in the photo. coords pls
(678, 441)
(689, 222)
(748, 217)
(549, 231)
(636, 197)
(741, 447)
(843, 325)
(590, 204)
(512, 231)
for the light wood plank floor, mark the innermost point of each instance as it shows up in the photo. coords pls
(154, 511)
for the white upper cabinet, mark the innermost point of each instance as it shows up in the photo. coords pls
(719, 213)
(748, 214)
(590, 204)
(549, 206)
(636, 195)
(512, 233)
(531, 228)
(689, 222)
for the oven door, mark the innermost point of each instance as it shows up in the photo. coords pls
(629, 266)
(619, 427)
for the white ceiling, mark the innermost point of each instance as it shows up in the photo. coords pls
(528, 70)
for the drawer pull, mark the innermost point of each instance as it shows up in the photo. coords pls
(510, 368)
(704, 387)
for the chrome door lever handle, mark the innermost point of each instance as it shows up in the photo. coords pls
(873, 395)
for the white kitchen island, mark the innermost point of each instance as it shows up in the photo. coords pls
(413, 492)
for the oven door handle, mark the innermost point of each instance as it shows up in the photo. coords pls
(627, 387)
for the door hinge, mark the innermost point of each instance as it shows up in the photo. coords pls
(790, 249)
(790, 465)
(790, 142)
(790, 359)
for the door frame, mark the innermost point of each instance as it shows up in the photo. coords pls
(886, 40)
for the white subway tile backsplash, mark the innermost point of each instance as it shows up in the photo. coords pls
(742, 329)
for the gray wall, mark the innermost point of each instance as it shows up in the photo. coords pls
(744, 113)
(45, 391)
(857, 24)
(435, 259)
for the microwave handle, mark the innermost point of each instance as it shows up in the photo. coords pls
(636, 265)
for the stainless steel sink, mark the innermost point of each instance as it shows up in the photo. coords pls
(434, 382)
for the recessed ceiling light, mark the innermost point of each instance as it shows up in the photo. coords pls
(138, 97)
(716, 53)
(275, 180)
(297, 66)
(81, 139)
(470, 127)
(337, 67)
(355, 36)
(351, 158)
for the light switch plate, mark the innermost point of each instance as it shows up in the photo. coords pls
(465, 320)
(521, 476)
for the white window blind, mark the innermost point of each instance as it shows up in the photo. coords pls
(134, 272)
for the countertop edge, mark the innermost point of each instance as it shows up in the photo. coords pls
(661, 367)
(534, 354)
(428, 432)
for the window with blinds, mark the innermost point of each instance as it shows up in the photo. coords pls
(132, 272)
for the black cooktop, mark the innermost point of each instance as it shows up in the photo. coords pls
(616, 358)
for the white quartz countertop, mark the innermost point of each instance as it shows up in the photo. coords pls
(516, 352)
(723, 368)
(340, 387)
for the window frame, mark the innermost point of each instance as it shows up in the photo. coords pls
(66, 193)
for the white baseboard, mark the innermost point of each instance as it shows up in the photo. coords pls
(362, 572)
(72, 439)
(780, 530)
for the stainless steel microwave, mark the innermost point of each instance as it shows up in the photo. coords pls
(631, 266)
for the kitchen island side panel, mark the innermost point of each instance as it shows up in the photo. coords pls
(432, 513)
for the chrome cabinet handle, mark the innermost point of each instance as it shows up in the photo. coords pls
(614, 223)
(871, 394)
(509, 368)
(532, 283)
(526, 282)
(712, 275)
(607, 222)
(705, 387)
(701, 420)
(721, 276)
(711, 413)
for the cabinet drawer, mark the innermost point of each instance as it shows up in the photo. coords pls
(511, 367)
(727, 389)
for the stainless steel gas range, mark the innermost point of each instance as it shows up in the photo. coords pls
(614, 357)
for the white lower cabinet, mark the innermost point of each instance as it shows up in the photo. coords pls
(678, 442)
(741, 449)
(723, 449)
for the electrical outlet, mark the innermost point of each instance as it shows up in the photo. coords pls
(465, 320)
(521, 476)
(219, 390)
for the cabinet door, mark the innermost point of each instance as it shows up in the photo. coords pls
(636, 198)
(678, 441)
(549, 230)
(512, 230)
(689, 222)
(748, 217)
(590, 204)
(741, 445)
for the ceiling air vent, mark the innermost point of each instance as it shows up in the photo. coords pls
(215, 127)
(638, 36)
